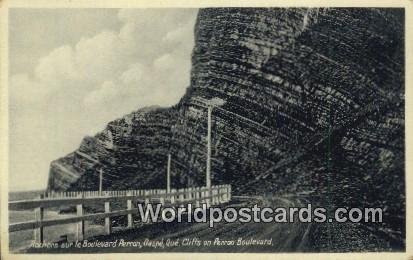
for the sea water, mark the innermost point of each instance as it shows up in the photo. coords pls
(21, 240)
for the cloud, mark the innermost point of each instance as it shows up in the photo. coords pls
(155, 39)
(57, 66)
(164, 63)
(104, 94)
(24, 90)
(80, 87)
(133, 74)
(101, 57)
(152, 46)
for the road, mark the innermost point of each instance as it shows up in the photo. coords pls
(284, 237)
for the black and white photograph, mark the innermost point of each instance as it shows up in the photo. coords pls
(259, 130)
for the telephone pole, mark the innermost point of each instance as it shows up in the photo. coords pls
(208, 162)
(168, 175)
(100, 181)
(214, 102)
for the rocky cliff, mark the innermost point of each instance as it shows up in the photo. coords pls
(314, 108)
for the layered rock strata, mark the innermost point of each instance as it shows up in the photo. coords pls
(314, 109)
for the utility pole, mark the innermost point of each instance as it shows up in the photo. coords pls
(168, 175)
(208, 163)
(214, 102)
(100, 181)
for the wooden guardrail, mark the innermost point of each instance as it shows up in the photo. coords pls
(194, 196)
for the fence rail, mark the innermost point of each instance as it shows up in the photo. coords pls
(194, 196)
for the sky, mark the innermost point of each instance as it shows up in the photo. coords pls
(71, 71)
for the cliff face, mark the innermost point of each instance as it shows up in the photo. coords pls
(314, 107)
(131, 150)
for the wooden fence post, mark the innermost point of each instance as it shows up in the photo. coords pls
(204, 194)
(108, 224)
(181, 197)
(213, 200)
(147, 200)
(218, 192)
(129, 206)
(189, 196)
(222, 192)
(38, 232)
(217, 195)
(80, 231)
(197, 202)
(173, 197)
(207, 193)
